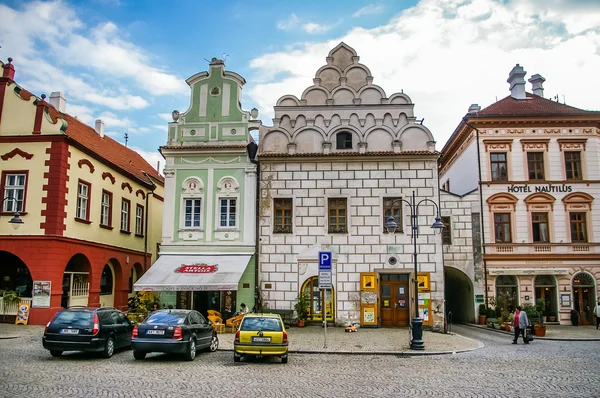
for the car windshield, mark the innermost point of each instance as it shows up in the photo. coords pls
(263, 324)
(75, 318)
(166, 318)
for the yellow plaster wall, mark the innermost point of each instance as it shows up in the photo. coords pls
(18, 116)
(35, 182)
(93, 232)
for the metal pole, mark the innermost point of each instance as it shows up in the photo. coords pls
(325, 317)
(417, 324)
(146, 232)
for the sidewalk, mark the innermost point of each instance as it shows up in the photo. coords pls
(559, 332)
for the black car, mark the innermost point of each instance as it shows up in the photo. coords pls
(87, 329)
(173, 331)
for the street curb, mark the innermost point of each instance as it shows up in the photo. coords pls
(535, 337)
(395, 353)
(9, 337)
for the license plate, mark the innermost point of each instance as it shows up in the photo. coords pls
(155, 332)
(261, 339)
(69, 331)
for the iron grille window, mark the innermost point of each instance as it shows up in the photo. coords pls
(283, 216)
(573, 165)
(228, 209)
(502, 228)
(535, 165)
(498, 166)
(14, 187)
(578, 227)
(446, 231)
(338, 213)
(392, 207)
(192, 213)
(344, 140)
(539, 226)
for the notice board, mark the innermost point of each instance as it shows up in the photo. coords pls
(369, 302)
(424, 298)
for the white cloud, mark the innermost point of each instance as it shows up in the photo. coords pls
(167, 117)
(447, 55)
(288, 24)
(368, 10)
(152, 157)
(315, 28)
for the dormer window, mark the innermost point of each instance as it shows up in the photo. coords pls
(344, 140)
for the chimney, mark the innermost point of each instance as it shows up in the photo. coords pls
(516, 79)
(474, 108)
(9, 70)
(58, 100)
(537, 84)
(100, 127)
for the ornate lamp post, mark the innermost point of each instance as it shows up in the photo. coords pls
(16, 220)
(391, 226)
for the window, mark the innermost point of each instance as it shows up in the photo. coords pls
(498, 166)
(125, 204)
(392, 207)
(337, 215)
(283, 216)
(192, 213)
(106, 209)
(106, 281)
(578, 227)
(343, 140)
(83, 200)
(539, 226)
(139, 220)
(228, 207)
(502, 228)
(573, 165)
(535, 165)
(446, 231)
(14, 187)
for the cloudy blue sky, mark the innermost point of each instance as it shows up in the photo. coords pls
(126, 61)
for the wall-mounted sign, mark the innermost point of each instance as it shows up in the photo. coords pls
(565, 300)
(368, 282)
(423, 281)
(539, 188)
(197, 269)
(369, 315)
(41, 294)
(22, 314)
(528, 271)
(479, 298)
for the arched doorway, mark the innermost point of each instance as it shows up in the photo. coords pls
(583, 297)
(459, 295)
(107, 286)
(316, 298)
(136, 272)
(545, 289)
(506, 293)
(14, 276)
(76, 282)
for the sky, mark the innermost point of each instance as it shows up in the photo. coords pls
(126, 61)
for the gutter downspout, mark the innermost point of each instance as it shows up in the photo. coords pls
(485, 274)
(443, 265)
(252, 150)
(146, 222)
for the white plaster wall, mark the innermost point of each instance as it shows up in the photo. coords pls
(463, 173)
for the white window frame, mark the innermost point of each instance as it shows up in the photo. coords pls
(83, 200)
(228, 212)
(105, 209)
(192, 214)
(16, 191)
(228, 189)
(125, 215)
(192, 189)
(139, 220)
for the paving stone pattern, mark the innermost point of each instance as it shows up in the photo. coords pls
(542, 369)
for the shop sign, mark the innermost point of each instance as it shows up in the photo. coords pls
(41, 294)
(22, 314)
(529, 271)
(197, 269)
(539, 188)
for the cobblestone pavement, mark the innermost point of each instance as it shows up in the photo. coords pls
(499, 369)
(566, 332)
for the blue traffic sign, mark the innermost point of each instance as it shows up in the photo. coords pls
(325, 261)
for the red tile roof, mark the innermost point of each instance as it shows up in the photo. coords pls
(534, 105)
(107, 149)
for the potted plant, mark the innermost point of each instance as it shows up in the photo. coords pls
(301, 308)
(538, 328)
(10, 297)
(482, 314)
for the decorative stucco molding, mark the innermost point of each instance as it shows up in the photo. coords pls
(140, 192)
(106, 175)
(498, 145)
(572, 144)
(15, 152)
(126, 185)
(88, 164)
(210, 159)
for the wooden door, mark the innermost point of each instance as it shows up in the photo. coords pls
(394, 304)
(402, 310)
(583, 304)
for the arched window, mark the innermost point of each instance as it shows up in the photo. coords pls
(343, 140)
(579, 205)
(502, 209)
(314, 296)
(506, 293)
(584, 289)
(545, 289)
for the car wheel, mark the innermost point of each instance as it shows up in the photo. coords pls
(214, 344)
(109, 348)
(236, 357)
(139, 355)
(284, 358)
(55, 353)
(191, 354)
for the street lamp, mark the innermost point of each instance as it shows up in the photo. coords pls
(391, 226)
(16, 220)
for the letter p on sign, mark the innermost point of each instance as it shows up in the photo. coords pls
(324, 261)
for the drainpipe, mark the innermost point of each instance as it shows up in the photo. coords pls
(146, 221)
(481, 210)
(443, 265)
(252, 150)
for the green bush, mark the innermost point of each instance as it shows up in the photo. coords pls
(482, 310)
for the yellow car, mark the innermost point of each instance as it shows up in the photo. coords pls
(261, 335)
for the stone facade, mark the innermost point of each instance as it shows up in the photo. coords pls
(334, 157)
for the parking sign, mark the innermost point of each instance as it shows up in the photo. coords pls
(324, 261)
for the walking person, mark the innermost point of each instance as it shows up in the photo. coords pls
(597, 313)
(520, 323)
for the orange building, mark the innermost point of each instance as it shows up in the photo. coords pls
(91, 208)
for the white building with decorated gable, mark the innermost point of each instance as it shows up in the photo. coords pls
(337, 162)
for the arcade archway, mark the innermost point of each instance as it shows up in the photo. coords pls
(459, 295)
